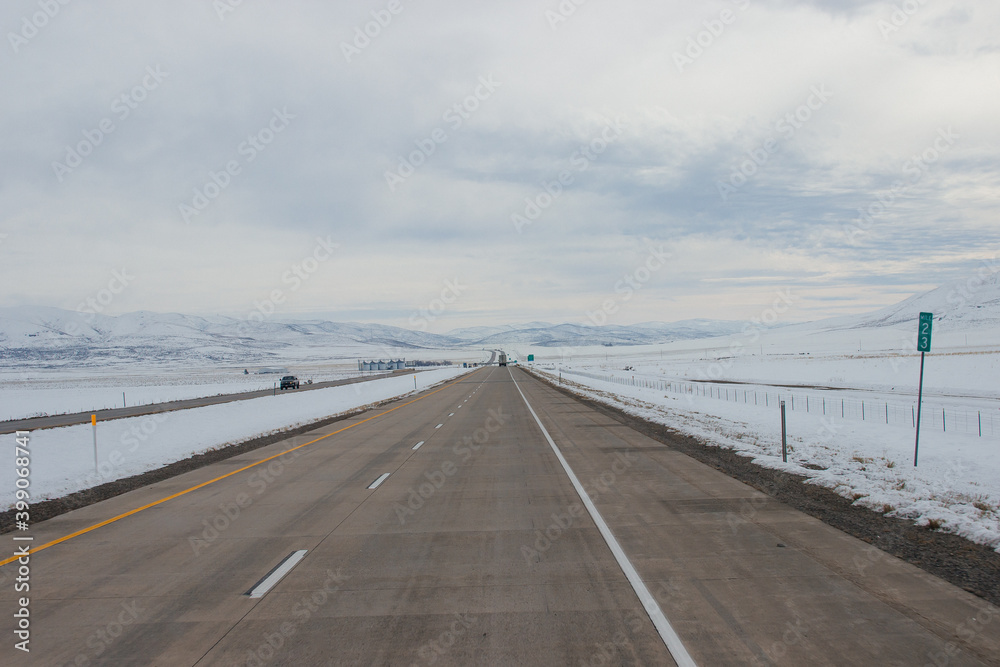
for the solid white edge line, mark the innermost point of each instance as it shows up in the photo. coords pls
(384, 476)
(667, 632)
(418, 445)
(277, 574)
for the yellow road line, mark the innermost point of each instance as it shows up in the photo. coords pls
(213, 481)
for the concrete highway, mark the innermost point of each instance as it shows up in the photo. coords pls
(55, 421)
(449, 528)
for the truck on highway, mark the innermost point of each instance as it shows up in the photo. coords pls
(289, 382)
(503, 359)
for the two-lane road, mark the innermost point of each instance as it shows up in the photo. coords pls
(447, 529)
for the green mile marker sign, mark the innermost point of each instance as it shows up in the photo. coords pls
(924, 332)
(923, 347)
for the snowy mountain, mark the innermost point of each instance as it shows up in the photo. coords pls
(971, 303)
(572, 335)
(55, 337)
(33, 335)
(475, 334)
(60, 337)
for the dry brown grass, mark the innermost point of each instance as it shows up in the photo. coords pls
(985, 507)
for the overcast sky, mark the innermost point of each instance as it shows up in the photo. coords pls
(493, 162)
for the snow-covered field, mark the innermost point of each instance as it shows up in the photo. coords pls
(62, 459)
(729, 397)
(818, 385)
(46, 392)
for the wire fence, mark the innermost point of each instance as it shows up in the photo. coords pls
(947, 419)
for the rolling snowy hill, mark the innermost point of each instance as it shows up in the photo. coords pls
(54, 337)
(969, 304)
(59, 337)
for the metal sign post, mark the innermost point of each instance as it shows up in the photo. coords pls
(784, 441)
(923, 346)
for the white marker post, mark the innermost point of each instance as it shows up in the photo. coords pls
(93, 422)
(923, 346)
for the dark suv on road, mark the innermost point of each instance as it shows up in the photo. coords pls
(289, 382)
